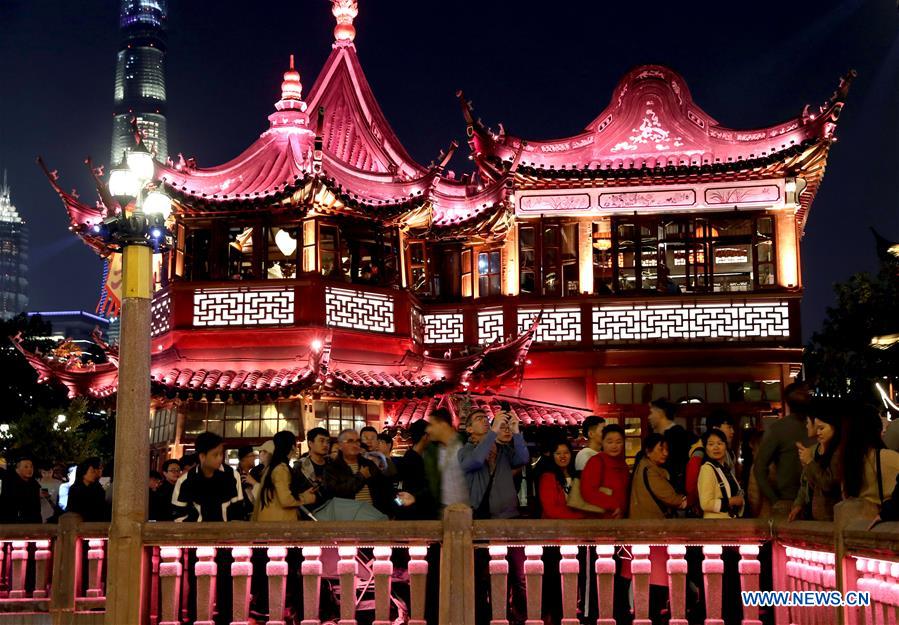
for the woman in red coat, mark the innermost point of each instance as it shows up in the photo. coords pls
(606, 476)
(554, 483)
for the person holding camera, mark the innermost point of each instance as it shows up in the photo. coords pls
(489, 458)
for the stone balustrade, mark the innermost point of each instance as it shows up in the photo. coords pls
(390, 572)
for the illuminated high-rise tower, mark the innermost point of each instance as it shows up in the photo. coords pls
(13, 257)
(140, 77)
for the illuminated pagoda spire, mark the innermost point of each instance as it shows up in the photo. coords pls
(345, 11)
(290, 110)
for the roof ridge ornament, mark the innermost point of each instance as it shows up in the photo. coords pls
(290, 110)
(344, 11)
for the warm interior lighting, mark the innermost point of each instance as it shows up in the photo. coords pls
(286, 243)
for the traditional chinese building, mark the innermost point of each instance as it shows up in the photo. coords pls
(324, 277)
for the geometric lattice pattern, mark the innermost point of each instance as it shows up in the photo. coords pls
(359, 310)
(490, 326)
(243, 306)
(557, 324)
(444, 328)
(704, 322)
(161, 314)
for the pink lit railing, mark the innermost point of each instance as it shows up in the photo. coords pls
(382, 572)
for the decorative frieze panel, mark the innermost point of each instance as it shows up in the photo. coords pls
(161, 314)
(490, 326)
(418, 325)
(704, 322)
(243, 306)
(359, 310)
(557, 324)
(445, 328)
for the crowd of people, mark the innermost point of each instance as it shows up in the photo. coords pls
(801, 466)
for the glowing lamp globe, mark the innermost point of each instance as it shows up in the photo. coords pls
(158, 203)
(286, 243)
(140, 162)
(123, 183)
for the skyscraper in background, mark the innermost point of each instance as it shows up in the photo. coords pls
(13, 257)
(140, 77)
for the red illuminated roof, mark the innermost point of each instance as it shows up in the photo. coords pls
(404, 413)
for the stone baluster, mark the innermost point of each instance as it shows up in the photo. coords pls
(713, 572)
(241, 572)
(641, 567)
(154, 586)
(750, 568)
(861, 615)
(569, 567)
(311, 571)
(893, 580)
(185, 588)
(677, 584)
(170, 586)
(276, 570)
(4, 582)
(19, 559)
(418, 584)
(382, 570)
(499, 575)
(884, 596)
(533, 575)
(347, 571)
(96, 552)
(41, 564)
(605, 584)
(205, 570)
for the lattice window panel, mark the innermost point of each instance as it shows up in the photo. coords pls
(359, 310)
(561, 324)
(243, 306)
(161, 315)
(704, 322)
(444, 328)
(490, 326)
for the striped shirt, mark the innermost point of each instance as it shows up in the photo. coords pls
(363, 494)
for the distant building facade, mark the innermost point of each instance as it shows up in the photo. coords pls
(13, 257)
(140, 78)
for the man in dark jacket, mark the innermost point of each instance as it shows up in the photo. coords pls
(661, 419)
(309, 471)
(351, 476)
(20, 494)
(211, 491)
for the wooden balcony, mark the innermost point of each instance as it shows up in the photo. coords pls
(393, 565)
(580, 323)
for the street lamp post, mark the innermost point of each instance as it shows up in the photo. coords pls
(136, 236)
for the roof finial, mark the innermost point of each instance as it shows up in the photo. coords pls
(345, 11)
(291, 87)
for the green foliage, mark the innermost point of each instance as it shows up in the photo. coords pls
(45, 434)
(840, 359)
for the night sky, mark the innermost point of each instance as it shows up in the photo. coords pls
(543, 69)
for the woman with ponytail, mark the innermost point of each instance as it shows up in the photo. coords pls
(275, 502)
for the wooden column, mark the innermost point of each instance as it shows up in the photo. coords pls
(533, 574)
(641, 567)
(382, 569)
(276, 570)
(95, 557)
(713, 572)
(19, 558)
(418, 584)
(241, 572)
(605, 584)
(677, 584)
(205, 571)
(569, 567)
(499, 576)
(457, 567)
(170, 586)
(66, 565)
(130, 492)
(347, 570)
(311, 571)
(750, 568)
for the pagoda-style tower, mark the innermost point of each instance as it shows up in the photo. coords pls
(13, 257)
(140, 78)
